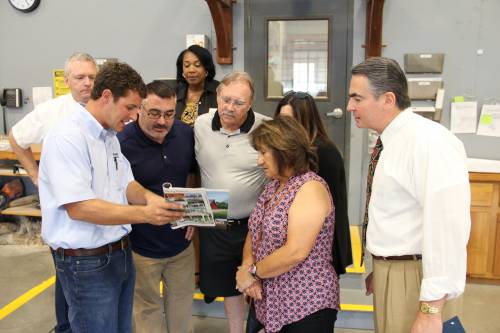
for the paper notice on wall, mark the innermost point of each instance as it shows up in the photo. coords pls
(463, 117)
(60, 87)
(489, 122)
(41, 94)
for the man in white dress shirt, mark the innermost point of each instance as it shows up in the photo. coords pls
(79, 74)
(419, 210)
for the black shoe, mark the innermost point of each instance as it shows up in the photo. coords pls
(208, 299)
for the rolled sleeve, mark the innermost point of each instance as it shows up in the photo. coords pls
(28, 130)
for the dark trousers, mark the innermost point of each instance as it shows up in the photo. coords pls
(322, 321)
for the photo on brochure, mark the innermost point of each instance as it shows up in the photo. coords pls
(202, 207)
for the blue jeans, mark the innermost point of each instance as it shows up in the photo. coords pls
(62, 321)
(99, 291)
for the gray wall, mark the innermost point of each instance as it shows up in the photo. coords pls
(147, 34)
(456, 28)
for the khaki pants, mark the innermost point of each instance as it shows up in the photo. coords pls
(173, 314)
(396, 295)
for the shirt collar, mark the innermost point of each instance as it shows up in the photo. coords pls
(395, 125)
(244, 128)
(93, 127)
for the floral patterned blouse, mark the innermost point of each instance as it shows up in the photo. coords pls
(310, 286)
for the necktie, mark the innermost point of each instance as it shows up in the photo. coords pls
(371, 171)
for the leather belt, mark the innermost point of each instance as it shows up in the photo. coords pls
(235, 222)
(231, 223)
(404, 257)
(121, 244)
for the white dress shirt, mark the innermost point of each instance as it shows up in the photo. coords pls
(35, 125)
(420, 202)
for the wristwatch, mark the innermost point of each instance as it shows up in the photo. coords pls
(252, 269)
(429, 309)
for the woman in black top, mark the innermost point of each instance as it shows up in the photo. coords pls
(196, 87)
(302, 107)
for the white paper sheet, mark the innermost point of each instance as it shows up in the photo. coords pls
(463, 117)
(489, 122)
(41, 94)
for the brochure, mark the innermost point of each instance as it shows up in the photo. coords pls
(203, 207)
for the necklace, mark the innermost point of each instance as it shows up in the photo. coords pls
(194, 96)
(275, 199)
(269, 206)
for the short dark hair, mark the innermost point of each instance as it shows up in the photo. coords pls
(160, 89)
(385, 75)
(205, 59)
(288, 142)
(120, 78)
(306, 113)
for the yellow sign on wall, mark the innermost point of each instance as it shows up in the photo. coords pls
(60, 87)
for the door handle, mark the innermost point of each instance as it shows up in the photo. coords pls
(337, 113)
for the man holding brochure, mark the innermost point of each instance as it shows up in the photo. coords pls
(228, 161)
(161, 149)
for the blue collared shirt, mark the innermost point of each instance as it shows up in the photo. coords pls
(81, 161)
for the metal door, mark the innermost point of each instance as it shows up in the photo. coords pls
(303, 46)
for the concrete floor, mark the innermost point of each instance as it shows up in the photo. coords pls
(24, 267)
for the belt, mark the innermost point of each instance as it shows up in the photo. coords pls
(235, 222)
(231, 223)
(404, 257)
(121, 244)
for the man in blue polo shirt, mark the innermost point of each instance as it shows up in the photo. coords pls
(161, 149)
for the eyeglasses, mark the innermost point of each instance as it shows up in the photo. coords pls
(156, 114)
(238, 103)
(297, 94)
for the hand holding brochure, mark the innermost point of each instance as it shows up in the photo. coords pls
(203, 207)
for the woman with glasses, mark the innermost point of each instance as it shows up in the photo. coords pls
(196, 87)
(287, 259)
(301, 106)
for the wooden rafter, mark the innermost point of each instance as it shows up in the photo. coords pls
(373, 35)
(222, 16)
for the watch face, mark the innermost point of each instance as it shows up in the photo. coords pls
(25, 5)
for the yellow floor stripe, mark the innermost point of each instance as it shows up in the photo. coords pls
(356, 307)
(354, 268)
(26, 297)
(356, 251)
(35, 291)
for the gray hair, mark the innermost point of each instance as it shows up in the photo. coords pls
(237, 77)
(78, 56)
(385, 75)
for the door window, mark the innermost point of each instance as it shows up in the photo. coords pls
(297, 57)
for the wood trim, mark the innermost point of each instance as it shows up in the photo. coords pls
(484, 177)
(222, 16)
(373, 34)
(9, 154)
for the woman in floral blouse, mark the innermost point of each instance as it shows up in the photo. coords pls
(287, 259)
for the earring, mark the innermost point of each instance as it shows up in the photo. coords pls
(206, 74)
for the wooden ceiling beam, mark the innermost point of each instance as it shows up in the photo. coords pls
(222, 16)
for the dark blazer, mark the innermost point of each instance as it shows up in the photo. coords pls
(207, 100)
(331, 169)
